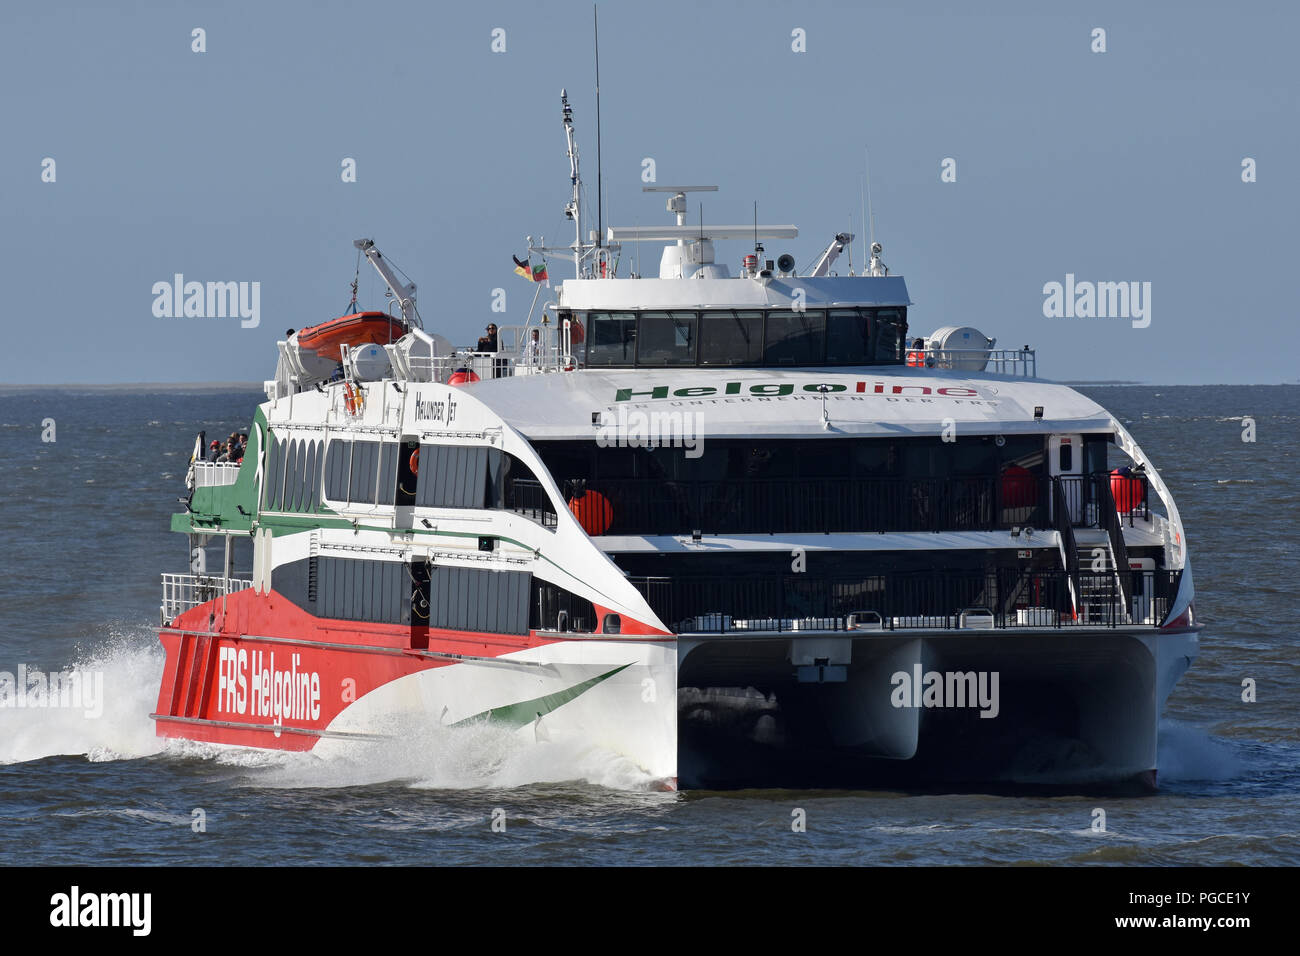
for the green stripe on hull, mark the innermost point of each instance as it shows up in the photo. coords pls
(525, 712)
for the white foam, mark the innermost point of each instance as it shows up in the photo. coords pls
(478, 756)
(416, 753)
(132, 663)
(1190, 753)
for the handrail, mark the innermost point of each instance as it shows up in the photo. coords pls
(181, 592)
(1065, 528)
(1007, 598)
(1109, 519)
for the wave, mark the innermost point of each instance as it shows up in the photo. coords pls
(416, 753)
(131, 666)
(1186, 752)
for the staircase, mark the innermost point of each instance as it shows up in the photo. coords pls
(1096, 559)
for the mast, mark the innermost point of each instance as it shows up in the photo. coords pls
(573, 209)
(600, 199)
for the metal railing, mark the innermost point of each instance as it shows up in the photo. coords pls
(215, 474)
(181, 592)
(527, 497)
(1003, 598)
(1083, 494)
(1109, 520)
(1018, 362)
(1069, 547)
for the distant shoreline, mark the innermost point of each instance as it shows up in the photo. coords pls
(137, 387)
(258, 386)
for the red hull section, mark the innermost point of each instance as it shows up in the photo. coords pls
(360, 328)
(265, 673)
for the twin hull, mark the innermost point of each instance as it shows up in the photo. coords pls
(711, 711)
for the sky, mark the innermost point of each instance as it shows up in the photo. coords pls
(227, 165)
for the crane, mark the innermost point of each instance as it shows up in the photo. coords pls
(403, 292)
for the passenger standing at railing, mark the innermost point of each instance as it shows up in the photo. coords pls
(489, 343)
(533, 349)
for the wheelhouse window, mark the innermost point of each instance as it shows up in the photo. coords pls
(611, 338)
(753, 338)
(848, 337)
(891, 335)
(731, 338)
(795, 338)
(666, 338)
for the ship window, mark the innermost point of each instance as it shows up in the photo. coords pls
(666, 338)
(891, 332)
(387, 472)
(731, 338)
(302, 479)
(338, 466)
(270, 488)
(795, 338)
(848, 337)
(309, 479)
(290, 472)
(1066, 458)
(611, 338)
(365, 462)
(318, 453)
(555, 609)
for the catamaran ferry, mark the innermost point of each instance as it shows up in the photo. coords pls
(742, 529)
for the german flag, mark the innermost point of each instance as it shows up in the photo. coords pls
(529, 271)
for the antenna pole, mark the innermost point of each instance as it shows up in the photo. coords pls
(871, 210)
(600, 210)
(573, 209)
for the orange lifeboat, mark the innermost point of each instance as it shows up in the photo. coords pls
(360, 328)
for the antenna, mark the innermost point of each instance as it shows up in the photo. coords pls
(872, 211)
(600, 210)
(850, 244)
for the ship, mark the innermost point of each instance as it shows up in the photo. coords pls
(741, 529)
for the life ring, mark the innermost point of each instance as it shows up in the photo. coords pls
(353, 399)
(415, 462)
(916, 359)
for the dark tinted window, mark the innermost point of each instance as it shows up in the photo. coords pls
(1066, 458)
(666, 338)
(891, 330)
(795, 338)
(731, 338)
(338, 466)
(848, 337)
(611, 338)
(365, 462)
(270, 489)
(287, 503)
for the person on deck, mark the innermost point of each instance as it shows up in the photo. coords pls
(488, 343)
(533, 350)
